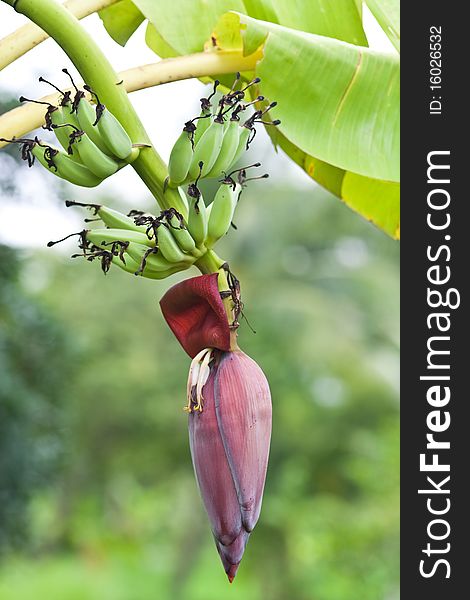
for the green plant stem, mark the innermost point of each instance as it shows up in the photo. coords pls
(96, 70)
(211, 263)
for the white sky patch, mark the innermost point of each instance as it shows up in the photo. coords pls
(376, 36)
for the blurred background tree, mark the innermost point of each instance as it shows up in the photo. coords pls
(33, 365)
(97, 495)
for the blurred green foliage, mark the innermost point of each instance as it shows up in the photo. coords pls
(33, 367)
(115, 512)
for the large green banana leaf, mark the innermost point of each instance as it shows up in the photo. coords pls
(183, 26)
(337, 102)
(121, 20)
(376, 200)
(186, 25)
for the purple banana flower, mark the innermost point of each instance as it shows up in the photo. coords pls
(229, 434)
(229, 406)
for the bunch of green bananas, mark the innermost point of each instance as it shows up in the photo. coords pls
(94, 144)
(212, 143)
(156, 247)
(208, 224)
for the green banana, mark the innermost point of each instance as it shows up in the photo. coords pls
(125, 230)
(59, 120)
(132, 266)
(97, 161)
(62, 165)
(228, 150)
(112, 133)
(197, 220)
(207, 149)
(116, 220)
(86, 119)
(104, 129)
(169, 248)
(132, 156)
(68, 114)
(203, 122)
(181, 234)
(62, 134)
(87, 115)
(105, 237)
(153, 261)
(244, 136)
(221, 214)
(54, 119)
(180, 158)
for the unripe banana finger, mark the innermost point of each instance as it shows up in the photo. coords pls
(202, 124)
(63, 166)
(62, 134)
(86, 117)
(131, 266)
(97, 161)
(180, 159)
(243, 139)
(153, 261)
(228, 150)
(128, 264)
(182, 236)
(207, 150)
(114, 219)
(114, 135)
(104, 237)
(223, 208)
(133, 155)
(68, 116)
(197, 220)
(61, 130)
(169, 248)
(209, 107)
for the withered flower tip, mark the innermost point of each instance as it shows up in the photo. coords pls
(229, 433)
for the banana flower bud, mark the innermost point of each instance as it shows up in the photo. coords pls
(229, 406)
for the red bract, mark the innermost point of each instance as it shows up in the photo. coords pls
(196, 314)
(229, 433)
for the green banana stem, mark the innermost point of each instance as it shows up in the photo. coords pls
(96, 70)
(211, 263)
